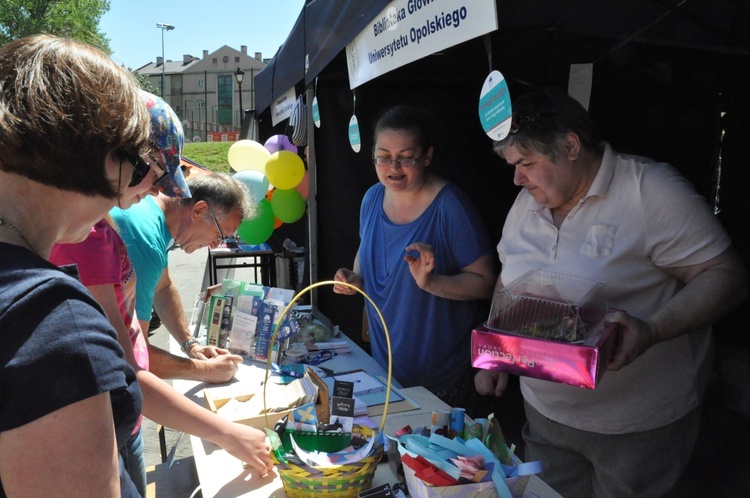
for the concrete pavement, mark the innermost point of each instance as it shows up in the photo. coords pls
(187, 271)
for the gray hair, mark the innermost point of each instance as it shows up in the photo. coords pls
(222, 192)
(542, 119)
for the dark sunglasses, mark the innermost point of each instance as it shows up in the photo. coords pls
(141, 169)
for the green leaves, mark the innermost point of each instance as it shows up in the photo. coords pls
(77, 19)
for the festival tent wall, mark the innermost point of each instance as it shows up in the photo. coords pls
(669, 82)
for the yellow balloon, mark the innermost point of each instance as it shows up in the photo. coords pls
(248, 154)
(285, 169)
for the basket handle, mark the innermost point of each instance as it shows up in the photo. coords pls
(281, 320)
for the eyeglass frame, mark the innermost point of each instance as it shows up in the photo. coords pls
(216, 222)
(400, 161)
(139, 171)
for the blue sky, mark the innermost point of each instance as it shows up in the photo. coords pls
(130, 25)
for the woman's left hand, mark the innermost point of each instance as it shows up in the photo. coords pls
(421, 267)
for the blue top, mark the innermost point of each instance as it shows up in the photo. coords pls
(143, 228)
(430, 335)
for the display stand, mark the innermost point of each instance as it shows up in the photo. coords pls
(262, 263)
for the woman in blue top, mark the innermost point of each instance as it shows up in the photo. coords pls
(424, 258)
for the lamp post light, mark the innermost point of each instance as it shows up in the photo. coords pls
(239, 74)
(163, 27)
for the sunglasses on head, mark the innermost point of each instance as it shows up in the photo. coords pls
(519, 121)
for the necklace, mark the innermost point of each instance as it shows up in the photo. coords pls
(6, 223)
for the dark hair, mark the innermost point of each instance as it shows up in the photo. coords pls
(222, 192)
(541, 120)
(411, 119)
(64, 108)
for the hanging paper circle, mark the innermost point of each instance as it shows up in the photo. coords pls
(354, 139)
(255, 181)
(316, 112)
(495, 112)
(288, 205)
(304, 186)
(285, 169)
(257, 230)
(279, 142)
(247, 154)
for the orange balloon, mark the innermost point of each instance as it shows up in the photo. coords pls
(277, 223)
(304, 186)
(269, 194)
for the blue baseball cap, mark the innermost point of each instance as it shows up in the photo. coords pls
(168, 137)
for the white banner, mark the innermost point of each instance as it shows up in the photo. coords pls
(281, 109)
(408, 30)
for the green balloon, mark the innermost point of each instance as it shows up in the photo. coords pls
(288, 205)
(257, 230)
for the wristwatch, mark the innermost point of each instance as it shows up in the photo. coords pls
(186, 345)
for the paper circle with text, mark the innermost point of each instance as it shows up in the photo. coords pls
(288, 205)
(257, 230)
(248, 154)
(279, 142)
(284, 169)
(255, 181)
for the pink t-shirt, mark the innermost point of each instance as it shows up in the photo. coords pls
(103, 259)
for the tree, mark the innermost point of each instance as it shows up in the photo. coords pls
(144, 81)
(77, 19)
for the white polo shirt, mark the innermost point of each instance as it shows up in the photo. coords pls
(639, 216)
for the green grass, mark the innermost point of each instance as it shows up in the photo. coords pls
(212, 155)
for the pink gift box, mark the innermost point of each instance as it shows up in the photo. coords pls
(579, 365)
(566, 313)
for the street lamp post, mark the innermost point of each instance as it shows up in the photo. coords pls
(239, 74)
(163, 27)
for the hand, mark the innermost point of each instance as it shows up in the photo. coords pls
(636, 336)
(249, 445)
(421, 268)
(490, 382)
(218, 369)
(348, 276)
(199, 352)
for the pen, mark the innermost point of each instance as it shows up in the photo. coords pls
(348, 372)
(332, 373)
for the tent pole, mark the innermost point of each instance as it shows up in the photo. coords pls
(312, 205)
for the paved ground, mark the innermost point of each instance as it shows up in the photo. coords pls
(186, 271)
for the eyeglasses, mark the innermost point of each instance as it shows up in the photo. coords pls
(404, 162)
(517, 121)
(221, 233)
(141, 169)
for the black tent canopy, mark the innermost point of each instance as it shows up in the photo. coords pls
(324, 28)
(669, 82)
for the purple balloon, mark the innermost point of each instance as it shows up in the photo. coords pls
(279, 142)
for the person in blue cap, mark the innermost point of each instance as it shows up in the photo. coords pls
(192, 213)
(107, 272)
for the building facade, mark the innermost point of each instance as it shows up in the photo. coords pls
(204, 91)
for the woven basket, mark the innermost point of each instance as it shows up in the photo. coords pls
(342, 481)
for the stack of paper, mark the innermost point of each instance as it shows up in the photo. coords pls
(334, 347)
(364, 383)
